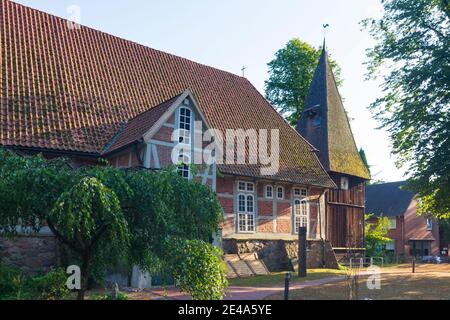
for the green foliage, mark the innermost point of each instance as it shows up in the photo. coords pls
(198, 268)
(88, 216)
(37, 184)
(172, 221)
(14, 285)
(375, 234)
(50, 286)
(412, 57)
(106, 215)
(363, 156)
(444, 229)
(11, 283)
(120, 297)
(291, 73)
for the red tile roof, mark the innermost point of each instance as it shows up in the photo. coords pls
(135, 128)
(73, 89)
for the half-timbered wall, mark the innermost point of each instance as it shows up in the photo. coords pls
(274, 218)
(157, 152)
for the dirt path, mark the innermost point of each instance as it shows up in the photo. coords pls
(429, 282)
(233, 293)
(399, 276)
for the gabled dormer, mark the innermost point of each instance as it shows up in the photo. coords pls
(170, 133)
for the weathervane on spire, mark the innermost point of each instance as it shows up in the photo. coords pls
(325, 27)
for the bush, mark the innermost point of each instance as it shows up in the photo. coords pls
(50, 286)
(14, 285)
(198, 269)
(11, 283)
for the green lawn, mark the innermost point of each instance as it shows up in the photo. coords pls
(278, 278)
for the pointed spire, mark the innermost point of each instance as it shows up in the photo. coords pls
(324, 123)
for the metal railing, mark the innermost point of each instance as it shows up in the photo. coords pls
(366, 262)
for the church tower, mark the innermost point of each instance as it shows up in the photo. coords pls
(325, 124)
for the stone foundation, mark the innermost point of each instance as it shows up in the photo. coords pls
(32, 254)
(278, 254)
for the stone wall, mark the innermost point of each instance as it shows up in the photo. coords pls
(277, 255)
(32, 254)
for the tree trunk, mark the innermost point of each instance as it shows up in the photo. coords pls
(84, 278)
(129, 276)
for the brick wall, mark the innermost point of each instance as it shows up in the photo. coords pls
(31, 254)
(273, 216)
(416, 228)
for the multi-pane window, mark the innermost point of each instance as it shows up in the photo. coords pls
(300, 192)
(269, 192)
(280, 193)
(300, 214)
(184, 129)
(246, 186)
(246, 207)
(183, 167)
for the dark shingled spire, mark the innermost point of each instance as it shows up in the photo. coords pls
(324, 123)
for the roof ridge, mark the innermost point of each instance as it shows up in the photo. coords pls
(130, 41)
(126, 80)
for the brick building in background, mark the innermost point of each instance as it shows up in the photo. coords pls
(411, 234)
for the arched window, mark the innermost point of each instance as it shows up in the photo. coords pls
(246, 207)
(242, 205)
(300, 214)
(250, 204)
(184, 127)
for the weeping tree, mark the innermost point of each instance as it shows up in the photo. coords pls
(29, 188)
(106, 215)
(88, 219)
(81, 212)
(172, 220)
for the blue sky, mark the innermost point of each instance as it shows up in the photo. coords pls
(230, 34)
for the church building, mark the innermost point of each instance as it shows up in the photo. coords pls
(86, 95)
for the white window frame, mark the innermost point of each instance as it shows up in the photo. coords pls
(246, 213)
(278, 195)
(390, 246)
(392, 223)
(345, 183)
(182, 132)
(184, 166)
(266, 191)
(246, 186)
(302, 215)
(300, 192)
(429, 223)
